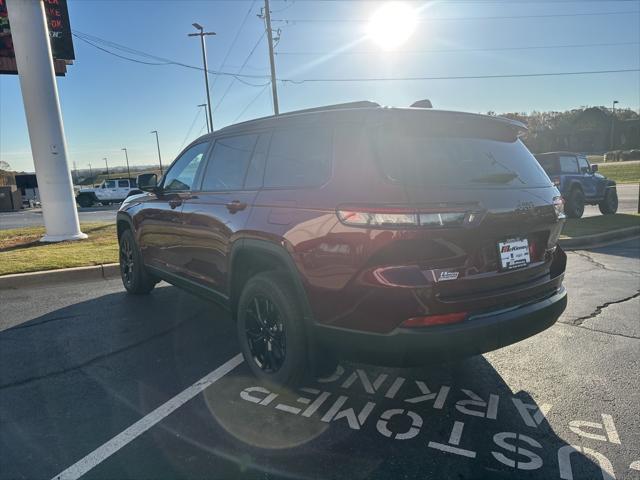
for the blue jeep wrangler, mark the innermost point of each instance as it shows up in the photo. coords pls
(579, 183)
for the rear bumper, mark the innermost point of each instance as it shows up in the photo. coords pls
(416, 346)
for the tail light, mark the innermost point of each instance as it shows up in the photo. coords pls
(433, 320)
(558, 206)
(401, 217)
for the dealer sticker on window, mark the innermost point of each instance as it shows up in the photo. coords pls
(514, 253)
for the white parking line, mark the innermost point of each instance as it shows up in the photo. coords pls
(103, 452)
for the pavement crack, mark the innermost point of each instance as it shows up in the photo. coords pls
(603, 331)
(580, 320)
(588, 257)
(98, 358)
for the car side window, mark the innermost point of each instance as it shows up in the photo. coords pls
(110, 184)
(255, 173)
(182, 174)
(228, 163)
(568, 165)
(123, 183)
(299, 157)
(583, 164)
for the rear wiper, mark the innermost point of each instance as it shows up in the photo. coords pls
(496, 178)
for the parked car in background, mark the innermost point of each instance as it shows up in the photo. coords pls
(579, 183)
(110, 191)
(394, 236)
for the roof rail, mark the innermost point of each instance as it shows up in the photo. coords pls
(337, 106)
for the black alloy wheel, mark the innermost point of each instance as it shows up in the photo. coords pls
(265, 334)
(135, 277)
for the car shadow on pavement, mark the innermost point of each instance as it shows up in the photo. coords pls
(76, 377)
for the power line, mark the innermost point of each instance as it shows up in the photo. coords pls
(246, 60)
(239, 76)
(456, 77)
(437, 19)
(235, 39)
(186, 137)
(250, 104)
(455, 50)
(160, 60)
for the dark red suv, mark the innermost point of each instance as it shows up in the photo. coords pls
(393, 236)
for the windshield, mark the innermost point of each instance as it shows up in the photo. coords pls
(416, 155)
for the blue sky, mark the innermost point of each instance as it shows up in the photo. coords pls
(109, 103)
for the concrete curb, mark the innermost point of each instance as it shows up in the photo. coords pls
(600, 238)
(48, 277)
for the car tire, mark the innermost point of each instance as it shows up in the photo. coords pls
(135, 278)
(84, 201)
(609, 205)
(271, 330)
(574, 207)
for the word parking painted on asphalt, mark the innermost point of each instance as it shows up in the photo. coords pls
(512, 449)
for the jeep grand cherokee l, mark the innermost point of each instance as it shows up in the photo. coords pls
(394, 236)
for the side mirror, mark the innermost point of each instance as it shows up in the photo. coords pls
(148, 182)
(594, 168)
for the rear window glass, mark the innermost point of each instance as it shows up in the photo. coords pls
(469, 154)
(299, 157)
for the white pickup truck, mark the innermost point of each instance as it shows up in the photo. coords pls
(109, 191)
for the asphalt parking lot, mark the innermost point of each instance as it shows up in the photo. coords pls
(98, 384)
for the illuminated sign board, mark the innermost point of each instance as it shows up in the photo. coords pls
(59, 35)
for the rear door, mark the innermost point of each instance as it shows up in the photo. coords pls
(161, 222)
(221, 207)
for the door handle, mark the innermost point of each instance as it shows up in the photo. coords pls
(175, 203)
(236, 206)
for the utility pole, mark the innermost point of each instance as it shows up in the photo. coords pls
(613, 123)
(126, 155)
(201, 33)
(32, 47)
(206, 117)
(272, 63)
(107, 165)
(158, 144)
(90, 172)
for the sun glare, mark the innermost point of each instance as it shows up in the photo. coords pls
(392, 25)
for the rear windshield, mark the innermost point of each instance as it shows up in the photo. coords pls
(473, 153)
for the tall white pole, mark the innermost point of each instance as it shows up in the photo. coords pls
(44, 120)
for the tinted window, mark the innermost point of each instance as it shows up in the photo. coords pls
(584, 165)
(228, 164)
(183, 171)
(568, 165)
(299, 157)
(412, 153)
(110, 184)
(255, 173)
(123, 183)
(550, 164)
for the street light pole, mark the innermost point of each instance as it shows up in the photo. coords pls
(203, 105)
(613, 122)
(90, 171)
(107, 165)
(126, 155)
(158, 144)
(201, 33)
